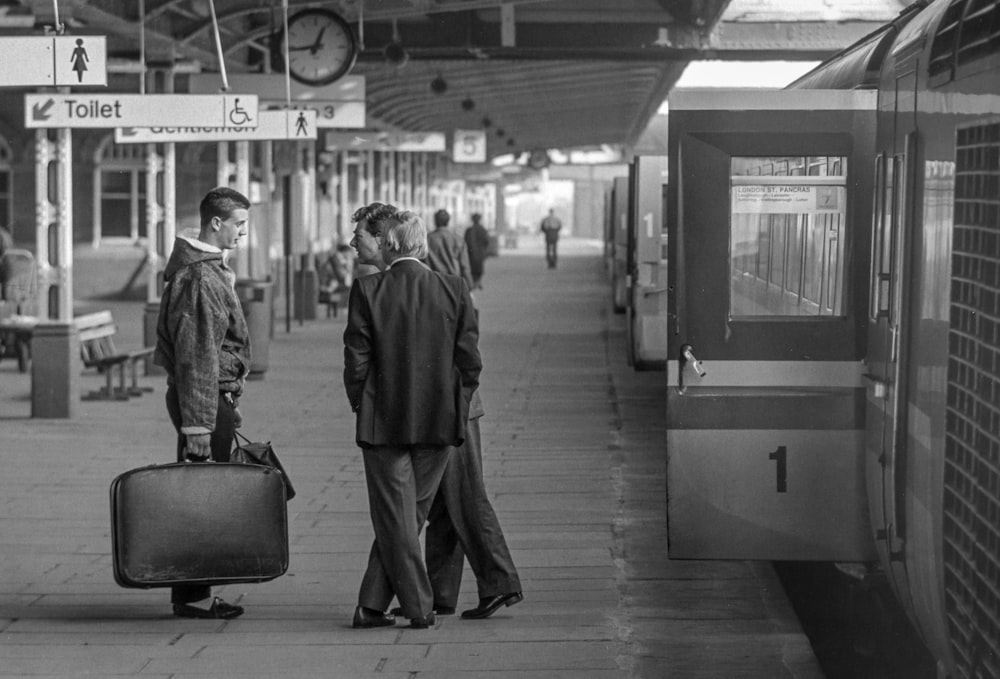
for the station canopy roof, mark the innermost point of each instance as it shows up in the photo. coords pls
(535, 74)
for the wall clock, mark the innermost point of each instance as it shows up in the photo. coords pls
(321, 47)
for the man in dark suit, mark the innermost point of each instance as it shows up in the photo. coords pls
(412, 363)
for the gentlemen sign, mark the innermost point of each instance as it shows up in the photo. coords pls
(140, 110)
(271, 125)
(55, 61)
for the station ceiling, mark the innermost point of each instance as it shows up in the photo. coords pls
(536, 74)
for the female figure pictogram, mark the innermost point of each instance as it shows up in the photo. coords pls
(79, 59)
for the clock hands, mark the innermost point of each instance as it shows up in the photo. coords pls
(313, 48)
(318, 45)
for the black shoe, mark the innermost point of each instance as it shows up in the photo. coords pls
(424, 622)
(439, 610)
(219, 610)
(366, 618)
(490, 605)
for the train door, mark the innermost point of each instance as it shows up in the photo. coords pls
(647, 272)
(889, 336)
(767, 306)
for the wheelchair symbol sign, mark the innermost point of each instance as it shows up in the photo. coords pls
(238, 112)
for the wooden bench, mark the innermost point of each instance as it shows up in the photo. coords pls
(97, 350)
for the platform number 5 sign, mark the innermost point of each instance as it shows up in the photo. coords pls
(469, 146)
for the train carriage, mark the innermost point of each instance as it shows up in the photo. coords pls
(834, 312)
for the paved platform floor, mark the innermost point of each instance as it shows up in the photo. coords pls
(574, 455)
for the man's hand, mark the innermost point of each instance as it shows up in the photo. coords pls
(198, 446)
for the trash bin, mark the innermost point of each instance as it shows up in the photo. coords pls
(256, 299)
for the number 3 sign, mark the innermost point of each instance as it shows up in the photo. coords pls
(469, 146)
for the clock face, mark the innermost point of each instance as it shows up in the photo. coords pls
(321, 47)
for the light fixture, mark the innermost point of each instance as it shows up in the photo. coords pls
(396, 54)
(500, 132)
(438, 85)
(468, 104)
(486, 122)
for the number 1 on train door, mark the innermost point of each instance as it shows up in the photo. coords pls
(781, 468)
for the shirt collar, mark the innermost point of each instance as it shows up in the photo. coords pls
(404, 259)
(201, 245)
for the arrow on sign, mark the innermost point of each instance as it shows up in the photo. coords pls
(42, 112)
(129, 131)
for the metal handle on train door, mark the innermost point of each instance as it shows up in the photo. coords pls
(686, 357)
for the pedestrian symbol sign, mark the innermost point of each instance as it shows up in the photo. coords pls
(140, 110)
(55, 61)
(271, 125)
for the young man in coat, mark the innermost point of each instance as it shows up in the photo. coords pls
(411, 365)
(203, 343)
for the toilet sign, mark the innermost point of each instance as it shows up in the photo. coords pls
(140, 110)
(55, 61)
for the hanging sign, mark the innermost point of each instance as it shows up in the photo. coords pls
(339, 104)
(271, 125)
(346, 114)
(469, 146)
(140, 110)
(63, 61)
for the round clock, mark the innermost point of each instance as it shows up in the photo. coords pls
(321, 47)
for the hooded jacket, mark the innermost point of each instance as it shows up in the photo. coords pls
(201, 335)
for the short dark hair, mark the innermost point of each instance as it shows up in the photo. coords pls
(374, 214)
(441, 218)
(221, 202)
(476, 216)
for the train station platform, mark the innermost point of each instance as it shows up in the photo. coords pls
(574, 457)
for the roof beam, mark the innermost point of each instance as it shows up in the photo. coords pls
(470, 37)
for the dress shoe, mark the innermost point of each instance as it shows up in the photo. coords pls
(366, 618)
(489, 605)
(424, 622)
(439, 610)
(219, 610)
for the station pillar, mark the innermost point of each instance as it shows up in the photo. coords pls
(55, 372)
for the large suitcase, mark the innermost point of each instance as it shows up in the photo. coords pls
(198, 524)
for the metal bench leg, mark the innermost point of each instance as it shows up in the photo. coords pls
(135, 389)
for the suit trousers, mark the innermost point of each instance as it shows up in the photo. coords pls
(462, 523)
(221, 444)
(402, 482)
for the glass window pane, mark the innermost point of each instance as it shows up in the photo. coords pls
(787, 220)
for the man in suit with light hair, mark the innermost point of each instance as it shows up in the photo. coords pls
(411, 365)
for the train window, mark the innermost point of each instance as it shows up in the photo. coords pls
(980, 34)
(942, 60)
(786, 236)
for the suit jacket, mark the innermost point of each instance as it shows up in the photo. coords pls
(411, 356)
(447, 253)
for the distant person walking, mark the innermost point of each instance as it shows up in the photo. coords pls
(446, 251)
(477, 243)
(550, 227)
